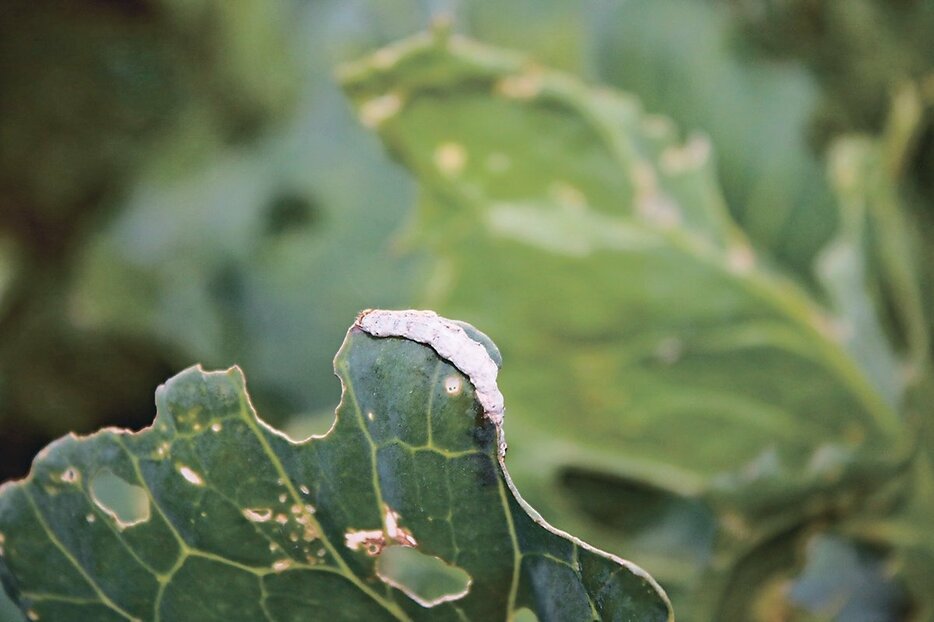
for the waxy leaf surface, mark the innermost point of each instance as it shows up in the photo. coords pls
(240, 522)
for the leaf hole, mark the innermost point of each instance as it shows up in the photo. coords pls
(127, 504)
(300, 428)
(426, 579)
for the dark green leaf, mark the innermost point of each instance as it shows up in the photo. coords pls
(241, 523)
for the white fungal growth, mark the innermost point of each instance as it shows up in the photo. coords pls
(450, 341)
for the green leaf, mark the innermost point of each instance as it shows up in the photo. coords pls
(880, 229)
(877, 224)
(179, 87)
(242, 523)
(684, 60)
(714, 402)
(9, 612)
(130, 93)
(224, 273)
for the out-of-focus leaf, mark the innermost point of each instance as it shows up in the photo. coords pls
(912, 534)
(908, 534)
(258, 258)
(274, 244)
(94, 94)
(860, 52)
(553, 31)
(720, 398)
(841, 581)
(866, 174)
(886, 43)
(683, 60)
(242, 523)
(870, 271)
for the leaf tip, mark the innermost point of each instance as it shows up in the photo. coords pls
(452, 341)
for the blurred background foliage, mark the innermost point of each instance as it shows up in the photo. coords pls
(183, 181)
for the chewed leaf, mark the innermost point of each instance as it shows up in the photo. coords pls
(242, 523)
(716, 403)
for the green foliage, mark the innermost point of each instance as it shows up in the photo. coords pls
(712, 412)
(241, 523)
(126, 254)
(94, 90)
(93, 94)
(683, 59)
(255, 256)
(860, 52)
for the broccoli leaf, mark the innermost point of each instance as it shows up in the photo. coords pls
(221, 517)
(709, 406)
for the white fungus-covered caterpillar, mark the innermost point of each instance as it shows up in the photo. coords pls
(450, 341)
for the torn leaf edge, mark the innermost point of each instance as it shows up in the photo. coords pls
(452, 343)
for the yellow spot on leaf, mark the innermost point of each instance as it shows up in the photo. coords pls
(450, 158)
(376, 111)
(520, 86)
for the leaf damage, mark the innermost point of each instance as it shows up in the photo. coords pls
(245, 523)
